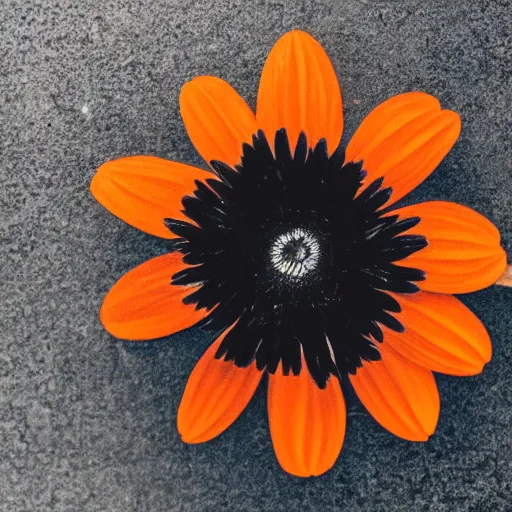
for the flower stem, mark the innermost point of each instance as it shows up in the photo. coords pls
(506, 278)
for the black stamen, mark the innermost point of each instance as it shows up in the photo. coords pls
(287, 247)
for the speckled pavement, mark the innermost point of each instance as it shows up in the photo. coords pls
(88, 424)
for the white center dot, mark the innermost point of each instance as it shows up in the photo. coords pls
(295, 253)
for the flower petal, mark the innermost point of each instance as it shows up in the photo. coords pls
(399, 394)
(217, 119)
(307, 424)
(463, 252)
(403, 140)
(441, 334)
(216, 393)
(144, 190)
(299, 91)
(144, 304)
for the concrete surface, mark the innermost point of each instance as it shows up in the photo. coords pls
(87, 423)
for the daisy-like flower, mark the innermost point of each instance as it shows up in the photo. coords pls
(290, 252)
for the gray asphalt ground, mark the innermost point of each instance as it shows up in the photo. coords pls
(88, 423)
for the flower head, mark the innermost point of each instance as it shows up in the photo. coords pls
(290, 252)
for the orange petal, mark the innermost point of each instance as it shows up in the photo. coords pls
(299, 91)
(217, 392)
(307, 424)
(403, 140)
(463, 253)
(217, 119)
(440, 334)
(144, 304)
(144, 190)
(399, 394)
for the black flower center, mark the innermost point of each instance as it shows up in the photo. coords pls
(293, 253)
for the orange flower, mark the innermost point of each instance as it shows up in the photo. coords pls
(290, 249)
